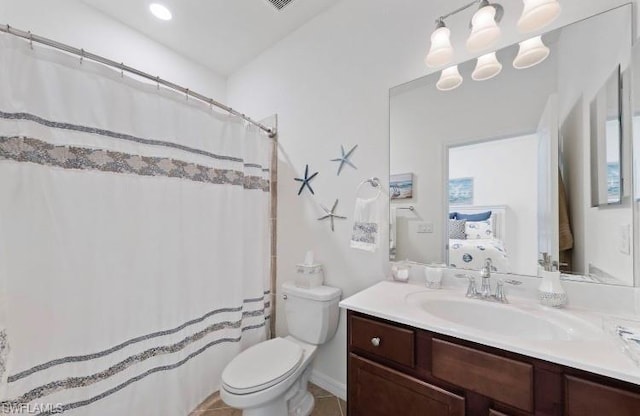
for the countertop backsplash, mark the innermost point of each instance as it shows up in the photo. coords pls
(609, 299)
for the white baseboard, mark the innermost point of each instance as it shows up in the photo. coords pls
(329, 384)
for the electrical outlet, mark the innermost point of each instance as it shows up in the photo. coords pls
(425, 228)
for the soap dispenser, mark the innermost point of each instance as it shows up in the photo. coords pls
(550, 292)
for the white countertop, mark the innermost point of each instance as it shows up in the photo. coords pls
(598, 352)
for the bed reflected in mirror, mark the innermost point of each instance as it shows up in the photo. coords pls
(493, 204)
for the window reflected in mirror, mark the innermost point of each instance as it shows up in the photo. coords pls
(606, 138)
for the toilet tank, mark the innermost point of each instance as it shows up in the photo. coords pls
(312, 314)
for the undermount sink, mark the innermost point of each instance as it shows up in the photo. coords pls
(530, 322)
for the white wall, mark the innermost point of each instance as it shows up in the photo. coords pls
(329, 81)
(76, 24)
(504, 173)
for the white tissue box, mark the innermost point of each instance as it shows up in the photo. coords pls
(309, 276)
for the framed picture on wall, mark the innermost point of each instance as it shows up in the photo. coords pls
(461, 191)
(401, 186)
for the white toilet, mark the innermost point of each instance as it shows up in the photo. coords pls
(270, 378)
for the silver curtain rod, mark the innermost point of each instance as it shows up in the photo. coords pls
(122, 67)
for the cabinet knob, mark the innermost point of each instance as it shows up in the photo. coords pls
(285, 297)
(375, 341)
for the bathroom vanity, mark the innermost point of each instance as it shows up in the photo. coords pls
(405, 361)
(511, 173)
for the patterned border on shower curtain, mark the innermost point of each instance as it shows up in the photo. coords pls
(115, 135)
(76, 382)
(4, 354)
(24, 149)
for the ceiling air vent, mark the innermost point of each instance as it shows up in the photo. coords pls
(280, 4)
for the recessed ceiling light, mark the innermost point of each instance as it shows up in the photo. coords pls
(160, 11)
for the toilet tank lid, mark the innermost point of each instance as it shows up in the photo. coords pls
(320, 293)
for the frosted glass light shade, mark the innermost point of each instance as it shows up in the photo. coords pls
(441, 51)
(485, 30)
(538, 14)
(160, 11)
(487, 67)
(450, 79)
(531, 52)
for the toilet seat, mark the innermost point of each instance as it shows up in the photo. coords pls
(262, 366)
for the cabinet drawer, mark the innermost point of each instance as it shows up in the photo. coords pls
(389, 342)
(375, 390)
(584, 397)
(499, 378)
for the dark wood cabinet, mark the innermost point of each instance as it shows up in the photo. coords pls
(503, 379)
(584, 397)
(381, 391)
(384, 340)
(395, 369)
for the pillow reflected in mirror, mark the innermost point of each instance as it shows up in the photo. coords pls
(457, 229)
(479, 230)
(481, 216)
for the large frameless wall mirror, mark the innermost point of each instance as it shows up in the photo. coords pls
(533, 163)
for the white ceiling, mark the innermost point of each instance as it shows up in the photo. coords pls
(220, 34)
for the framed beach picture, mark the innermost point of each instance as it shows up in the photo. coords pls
(461, 191)
(401, 186)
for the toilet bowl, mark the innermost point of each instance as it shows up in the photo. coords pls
(249, 387)
(271, 378)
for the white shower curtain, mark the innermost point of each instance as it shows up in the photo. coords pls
(134, 240)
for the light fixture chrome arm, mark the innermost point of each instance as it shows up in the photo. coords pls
(458, 10)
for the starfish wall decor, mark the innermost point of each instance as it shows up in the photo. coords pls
(344, 159)
(306, 180)
(331, 214)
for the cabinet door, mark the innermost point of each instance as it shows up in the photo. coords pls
(583, 397)
(375, 390)
(503, 379)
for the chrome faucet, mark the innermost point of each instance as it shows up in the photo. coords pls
(485, 288)
(500, 295)
(485, 273)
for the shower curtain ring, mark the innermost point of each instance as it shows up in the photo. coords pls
(9, 30)
(121, 69)
(81, 56)
(31, 40)
(158, 82)
(187, 94)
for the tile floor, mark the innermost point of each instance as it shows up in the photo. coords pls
(326, 405)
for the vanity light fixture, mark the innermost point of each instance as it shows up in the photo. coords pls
(450, 79)
(484, 33)
(538, 14)
(530, 53)
(487, 67)
(441, 51)
(484, 27)
(160, 11)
